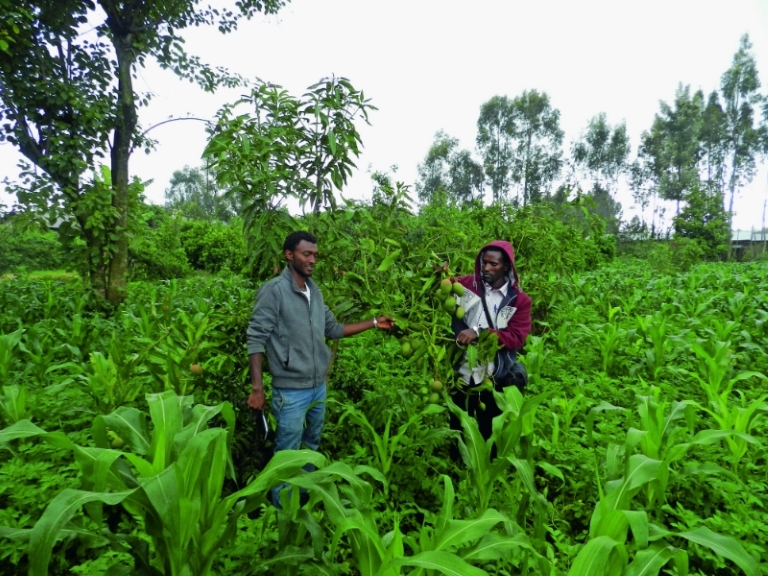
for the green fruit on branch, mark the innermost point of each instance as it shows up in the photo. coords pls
(437, 386)
(450, 304)
(417, 343)
(196, 369)
(445, 286)
(458, 289)
(481, 406)
(406, 350)
(460, 312)
(117, 442)
(434, 398)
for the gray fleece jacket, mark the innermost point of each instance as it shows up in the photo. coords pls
(292, 332)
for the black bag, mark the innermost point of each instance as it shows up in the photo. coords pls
(517, 374)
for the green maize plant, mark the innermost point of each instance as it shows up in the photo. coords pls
(386, 444)
(39, 348)
(738, 419)
(13, 404)
(512, 437)
(535, 357)
(8, 343)
(170, 480)
(611, 552)
(562, 420)
(658, 437)
(607, 338)
(444, 545)
(664, 346)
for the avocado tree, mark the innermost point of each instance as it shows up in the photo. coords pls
(67, 102)
(271, 146)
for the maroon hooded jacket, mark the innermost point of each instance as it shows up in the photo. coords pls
(514, 316)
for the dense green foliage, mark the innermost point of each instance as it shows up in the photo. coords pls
(637, 445)
(28, 250)
(69, 105)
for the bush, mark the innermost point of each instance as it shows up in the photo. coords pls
(214, 246)
(29, 249)
(157, 254)
(224, 248)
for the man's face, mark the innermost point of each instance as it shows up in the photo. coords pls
(493, 269)
(302, 259)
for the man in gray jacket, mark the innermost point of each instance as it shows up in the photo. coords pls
(290, 322)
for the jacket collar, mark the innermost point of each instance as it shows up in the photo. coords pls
(309, 282)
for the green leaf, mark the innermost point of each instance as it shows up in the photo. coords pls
(725, 546)
(444, 562)
(389, 260)
(601, 556)
(128, 423)
(650, 561)
(61, 509)
(290, 556)
(524, 472)
(281, 467)
(495, 546)
(459, 532)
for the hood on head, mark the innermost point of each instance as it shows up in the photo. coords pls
(506, 247)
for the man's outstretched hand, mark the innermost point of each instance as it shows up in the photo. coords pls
(385, 323)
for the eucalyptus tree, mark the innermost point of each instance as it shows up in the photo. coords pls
(495, 127)
(536, 157)
(451, 171)
(68, 103)
(672, 146)
(193, 193)
(602, 152)
(747, 136)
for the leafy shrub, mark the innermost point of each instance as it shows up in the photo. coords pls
(157, 254)
(30, 249)
(214, 246)
(224, 248)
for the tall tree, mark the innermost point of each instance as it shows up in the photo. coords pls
(449, 170)
(672, 147)
(495, 127)
(602, 152)
(194, 193)
(433, 171)
(537, 140)
(746, 136)
(67, 102)
(714, 145)
(271, 146)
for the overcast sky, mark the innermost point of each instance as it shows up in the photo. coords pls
(429, 65)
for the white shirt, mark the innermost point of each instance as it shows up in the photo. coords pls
(476, 317)
(306, 293)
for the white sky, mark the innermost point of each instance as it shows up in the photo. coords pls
(429, 65)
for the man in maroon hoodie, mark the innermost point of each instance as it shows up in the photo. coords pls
(507, 312)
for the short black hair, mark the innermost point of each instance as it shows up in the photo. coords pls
(504, 257)
(294, 238)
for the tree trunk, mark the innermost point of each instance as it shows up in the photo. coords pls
(127, 119)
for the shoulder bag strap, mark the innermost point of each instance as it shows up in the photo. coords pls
(487, 314)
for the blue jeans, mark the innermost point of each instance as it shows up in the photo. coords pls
(300, 414)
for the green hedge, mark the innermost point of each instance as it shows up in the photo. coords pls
(28, 250)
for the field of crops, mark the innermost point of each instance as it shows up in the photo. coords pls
(638, 447)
